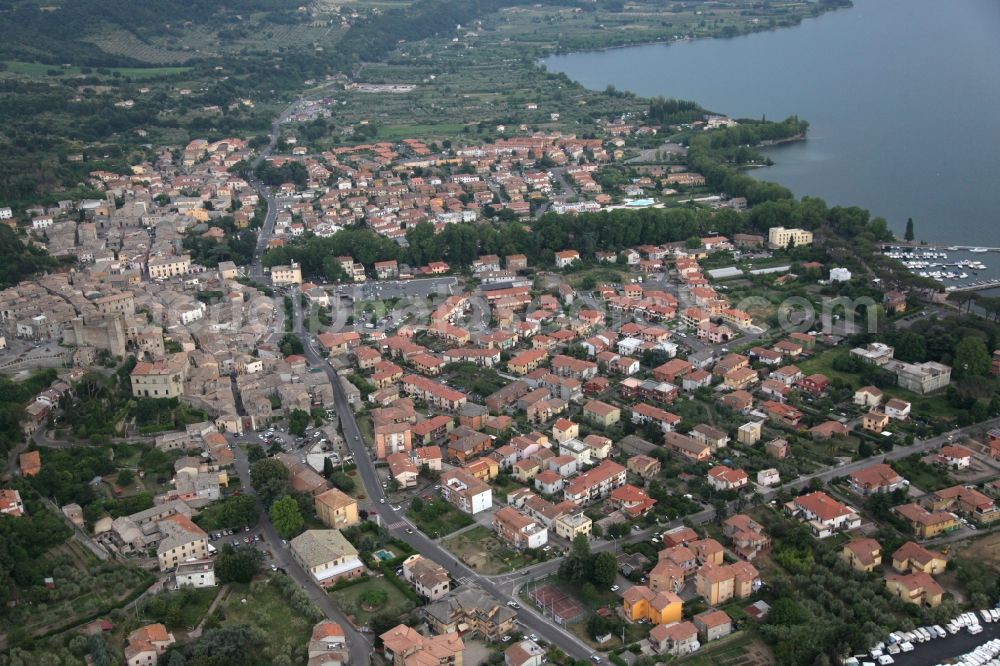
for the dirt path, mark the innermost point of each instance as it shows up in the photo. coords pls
(223, 592)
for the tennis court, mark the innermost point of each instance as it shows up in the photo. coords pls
(557, 603)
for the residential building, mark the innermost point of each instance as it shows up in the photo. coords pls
(967, 501)
(676, 639)
(823, 514)
(146, 644)
(927, 524)
(897, 409)
(570, 525)
(641, 603)
(717, 584)
(723, 478)
(405, 646)
(524, 653)
(163, 378)
(195, 573)
(518, 530)
(878, 478)
(336, 509)
(601, 413)
(429, 579)
(875, 421)
(687, 447)
(471, 611)
(862, 554)
(465, 492)
(286, 275)
(645, 467)
(747, 536)
(917, 588)
(868, 396)
(182, 540)
(327, 556)
(713, 625)
(10, 503)
(168, 266)
(912, 556)
(595, 483)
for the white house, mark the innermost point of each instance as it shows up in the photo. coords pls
(897, 409)
(768, 477)
(195, 573)
(840, 275)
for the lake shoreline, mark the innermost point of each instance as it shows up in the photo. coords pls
(873, 96)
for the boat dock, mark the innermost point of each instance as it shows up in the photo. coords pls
(940, 246)
(976, 286)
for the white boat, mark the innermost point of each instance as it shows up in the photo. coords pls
(978, 250)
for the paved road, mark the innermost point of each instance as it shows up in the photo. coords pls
(256, 270)
(397, 524)
(360, 645)
(898, 452)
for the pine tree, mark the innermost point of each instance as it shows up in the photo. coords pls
(909, 235)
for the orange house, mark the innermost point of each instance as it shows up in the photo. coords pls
(641, 603)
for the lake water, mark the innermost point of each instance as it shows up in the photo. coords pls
(902, 96)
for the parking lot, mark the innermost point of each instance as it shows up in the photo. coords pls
(420, 288)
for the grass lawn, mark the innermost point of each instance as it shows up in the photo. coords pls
(729, 651)
(348, 599)
(179, 610)
(367, 430)
(284, 630)
(482, 550)
(822, 362)
(426, 131)
(582, 279)
(437, 518)
(473, 379)
(926, 477)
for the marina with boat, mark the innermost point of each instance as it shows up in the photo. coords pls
(957, 268)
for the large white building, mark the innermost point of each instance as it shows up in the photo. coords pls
(466, 492)
(780, 237)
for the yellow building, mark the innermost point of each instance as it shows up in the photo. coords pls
(914, 557)
(163, 378)
(862, 554)
(569, 526)
(780, 237)
(917, 588)
(164, 267)
(284, 275)
(335, 509)
(875, 421)
(927, 524)
(641, 603)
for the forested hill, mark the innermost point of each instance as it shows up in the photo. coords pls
(60, 32)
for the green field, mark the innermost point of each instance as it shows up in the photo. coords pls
(437, 518)
(349, 600)
(261, 605)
